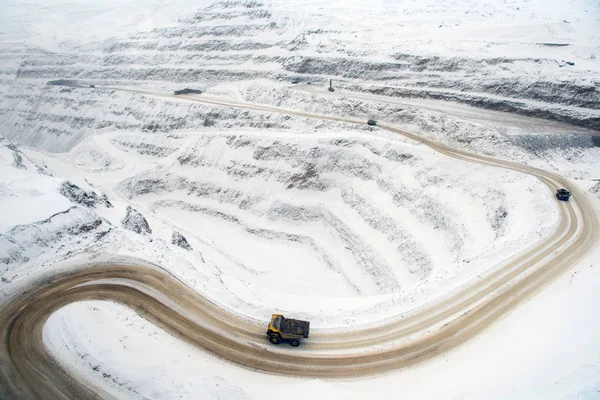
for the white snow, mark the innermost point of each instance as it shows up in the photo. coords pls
(416, 244)
(29, 197)
(549, 348)
(336, 223)
(49, 23)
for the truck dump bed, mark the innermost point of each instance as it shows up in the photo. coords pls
(294, 327)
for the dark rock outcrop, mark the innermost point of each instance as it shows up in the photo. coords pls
(80, 196)
(136, 222)
(179, 240)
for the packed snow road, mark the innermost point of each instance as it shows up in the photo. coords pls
(28, 371)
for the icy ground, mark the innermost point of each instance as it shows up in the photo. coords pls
(336, 223)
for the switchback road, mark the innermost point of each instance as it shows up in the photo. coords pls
(27, 370)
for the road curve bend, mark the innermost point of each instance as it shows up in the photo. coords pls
(28, 371)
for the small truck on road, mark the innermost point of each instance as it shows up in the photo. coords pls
(187, 91)
(287, 329)
(563, 194)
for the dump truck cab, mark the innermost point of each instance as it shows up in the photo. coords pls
(563, 194)
(287, 329)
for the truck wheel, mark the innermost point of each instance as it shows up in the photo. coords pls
(294, 343)
(275, 339)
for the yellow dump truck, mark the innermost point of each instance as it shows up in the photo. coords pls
(286, 329)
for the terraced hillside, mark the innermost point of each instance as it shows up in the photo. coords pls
(234, 41)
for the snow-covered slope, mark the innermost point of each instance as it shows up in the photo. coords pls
(342, 214)
(373, 216)
(262, 212)
(507, 56)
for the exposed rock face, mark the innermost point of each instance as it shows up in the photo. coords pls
(74, 228)
(136, 222)
(80, 196)
(179, 240)
(596, 189)
(11, 155)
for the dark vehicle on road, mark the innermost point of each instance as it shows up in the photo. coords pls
(188, 91)
(563, 194)
(295, 81)
(371, 122)
(286, 329)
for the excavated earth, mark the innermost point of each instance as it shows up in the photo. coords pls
(28, 371)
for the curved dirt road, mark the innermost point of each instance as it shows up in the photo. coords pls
(28, 371)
